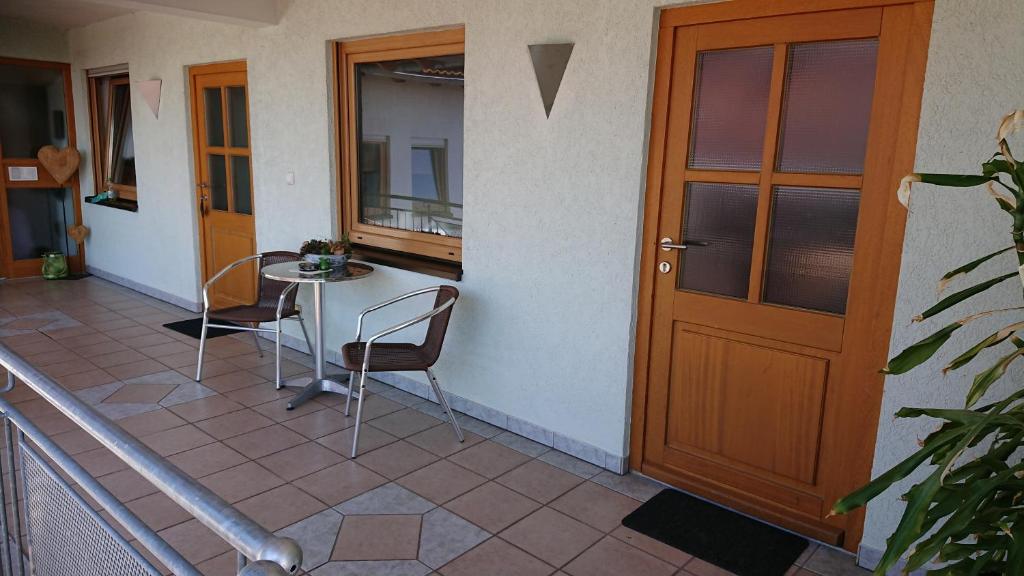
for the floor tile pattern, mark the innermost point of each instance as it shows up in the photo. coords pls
(415, 502)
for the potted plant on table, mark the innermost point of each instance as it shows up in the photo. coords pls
(327, 253)
(967, 514)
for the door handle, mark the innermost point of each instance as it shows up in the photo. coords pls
(204, 199)
(666, 244)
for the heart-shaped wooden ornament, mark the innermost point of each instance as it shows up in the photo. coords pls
(78, 233)
(61, 163)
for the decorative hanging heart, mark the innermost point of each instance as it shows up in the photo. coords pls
(78, 233)
(61, 163)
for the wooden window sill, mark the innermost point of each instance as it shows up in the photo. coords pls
(120, 204)
(411, 262)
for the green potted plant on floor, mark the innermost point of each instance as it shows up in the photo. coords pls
(967, 514)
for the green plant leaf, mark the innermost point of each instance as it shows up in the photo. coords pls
(996, 166)
(962, 518)
(862, 495)
(966, 268)
(918, 352)
(954, 180)
(988, 342)
(970, 354)
(958, 297)
(921, 496)
(984, 380)
(1015, 561)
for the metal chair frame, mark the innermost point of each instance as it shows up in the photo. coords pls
(386, 332)
(276, 330)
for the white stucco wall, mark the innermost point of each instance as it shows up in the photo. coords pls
(544, 329)
(33, 41)
(967, 91)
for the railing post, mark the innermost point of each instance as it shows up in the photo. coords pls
(15, 504)
(5, 549)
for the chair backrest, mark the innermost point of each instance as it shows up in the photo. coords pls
(431, 347)
(270, 290)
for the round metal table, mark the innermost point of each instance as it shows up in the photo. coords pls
(289, 272)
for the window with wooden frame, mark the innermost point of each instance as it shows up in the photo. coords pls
(400, 105)
(112, 135)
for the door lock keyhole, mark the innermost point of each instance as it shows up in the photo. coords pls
(665, 267)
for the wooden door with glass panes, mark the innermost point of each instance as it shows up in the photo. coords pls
(223, 167)
(771, 262)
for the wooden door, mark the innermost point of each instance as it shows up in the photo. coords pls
(777, 145)
(35, 211)
(223, 167)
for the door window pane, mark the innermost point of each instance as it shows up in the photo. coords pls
(730, 108)
(810, 251)
(32, 110)
(214, 117)
(827, 106)
(218, 185)
(721, 215)
(39, 220)
(238, 124)
(410, 144)
(241, 182)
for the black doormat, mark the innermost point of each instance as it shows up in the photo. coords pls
(714, 534)
(76, 276)
(194, 327)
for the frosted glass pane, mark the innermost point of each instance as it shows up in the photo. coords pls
(810, 249)
(730, 108)
(241, 182)
(237, 120)
(722, 215)
(827, 106)
(218, 181)
(214, 117)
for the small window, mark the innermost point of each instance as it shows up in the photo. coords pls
(112, 135)
(401, 134)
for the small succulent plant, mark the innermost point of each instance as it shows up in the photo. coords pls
(327, 246)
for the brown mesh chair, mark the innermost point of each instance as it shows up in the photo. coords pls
(372, 356)
(275, 301)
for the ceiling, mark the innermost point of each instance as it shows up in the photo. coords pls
(67, 14)
(62, 14)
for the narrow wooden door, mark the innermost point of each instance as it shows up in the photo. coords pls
(223, 167)
(773, 252)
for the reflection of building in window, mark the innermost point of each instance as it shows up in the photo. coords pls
(404, 186)
(373, 178)
(112, 135)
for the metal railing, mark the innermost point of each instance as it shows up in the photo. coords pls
(48, 527)
(415, 214)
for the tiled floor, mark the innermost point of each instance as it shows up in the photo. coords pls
(415, 502)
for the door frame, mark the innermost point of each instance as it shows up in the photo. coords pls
(902, 152)
(9, 267)
(197, 132)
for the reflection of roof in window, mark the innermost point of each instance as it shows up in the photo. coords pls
(444, 69)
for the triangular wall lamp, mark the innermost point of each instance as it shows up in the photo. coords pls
(549, 62)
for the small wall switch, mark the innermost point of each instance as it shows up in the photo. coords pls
(289, 178)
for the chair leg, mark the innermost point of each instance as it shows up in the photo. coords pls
(305, 334)
(444, 402)
(277, 355)
(359, 412)
(202, 348)
(256, 339)
(348, 399)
